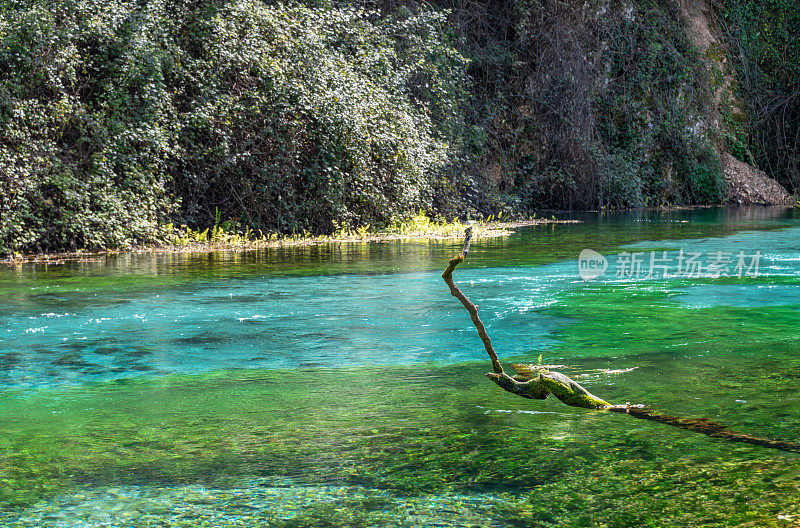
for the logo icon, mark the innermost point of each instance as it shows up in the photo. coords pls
(591, 264)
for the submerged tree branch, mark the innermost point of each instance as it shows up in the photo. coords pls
(546, 382)
(471, 308)
(538, 381)
(705, 426)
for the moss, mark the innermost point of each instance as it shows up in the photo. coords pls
(570, 392)
(428, 430)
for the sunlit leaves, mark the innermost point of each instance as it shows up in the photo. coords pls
(282, 116)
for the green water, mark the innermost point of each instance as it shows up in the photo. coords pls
(342, 386)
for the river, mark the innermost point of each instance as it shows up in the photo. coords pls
(341, 384)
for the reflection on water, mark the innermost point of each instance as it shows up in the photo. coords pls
(75, 327)
(341, 385)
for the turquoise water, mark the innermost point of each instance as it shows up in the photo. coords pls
(343, 384)
(67, 330)
(266, 322)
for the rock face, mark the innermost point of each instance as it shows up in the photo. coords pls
(750, 186)
(746, 185)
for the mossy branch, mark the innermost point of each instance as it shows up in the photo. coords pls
(538, 381)
(562, 387)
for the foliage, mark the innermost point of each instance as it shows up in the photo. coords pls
(232, 235)
(282, 117)
(423, 225)
(594, 107)
(315, 119)
(119, 119)
(83, 126)
(764, 37)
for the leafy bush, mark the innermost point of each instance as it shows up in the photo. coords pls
(316, 118)
(284, 117)
(83, 127)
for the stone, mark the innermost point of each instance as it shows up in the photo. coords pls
(750, 186)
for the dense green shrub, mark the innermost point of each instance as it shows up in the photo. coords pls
(84, 124)
(120, 118)
(316, 118)
(286, 117)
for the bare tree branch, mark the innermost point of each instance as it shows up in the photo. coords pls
(538, 387)
(471, 308)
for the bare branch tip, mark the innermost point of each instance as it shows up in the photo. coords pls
(467, 240)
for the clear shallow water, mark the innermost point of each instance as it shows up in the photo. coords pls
(265, 322)
(59, 329)
(161, 377)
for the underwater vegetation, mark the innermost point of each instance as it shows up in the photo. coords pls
(153, 431)
(429, 430)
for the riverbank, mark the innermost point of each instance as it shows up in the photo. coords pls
(220, 239)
